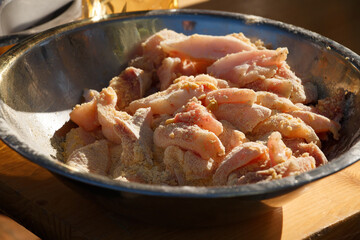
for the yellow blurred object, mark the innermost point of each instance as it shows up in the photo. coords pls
(98, 8)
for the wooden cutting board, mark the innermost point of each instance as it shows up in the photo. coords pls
(327, 209)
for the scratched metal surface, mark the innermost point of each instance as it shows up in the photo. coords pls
(43, 77)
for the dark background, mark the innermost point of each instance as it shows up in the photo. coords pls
(338, 20)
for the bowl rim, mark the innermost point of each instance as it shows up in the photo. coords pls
(259, 190)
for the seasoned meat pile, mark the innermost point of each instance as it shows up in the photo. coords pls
(226, 111)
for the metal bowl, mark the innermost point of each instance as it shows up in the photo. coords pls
(43, 77)
(20, 19)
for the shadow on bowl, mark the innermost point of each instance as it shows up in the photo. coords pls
(43, 77)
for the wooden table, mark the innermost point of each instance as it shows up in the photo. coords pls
(328, 209)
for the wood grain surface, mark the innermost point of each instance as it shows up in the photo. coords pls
(11, 230)
(35, 198)
(326, 209)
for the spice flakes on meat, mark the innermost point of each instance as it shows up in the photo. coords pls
(227, 112)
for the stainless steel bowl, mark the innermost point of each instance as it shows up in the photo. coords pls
(20, 19)
(43, 77)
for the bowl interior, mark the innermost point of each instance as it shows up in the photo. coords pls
(43, 77)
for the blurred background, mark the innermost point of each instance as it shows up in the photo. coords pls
(338, 20)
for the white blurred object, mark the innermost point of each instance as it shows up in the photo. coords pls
(32, 16)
